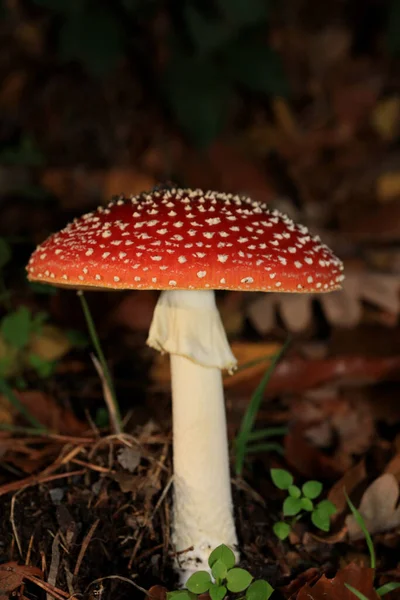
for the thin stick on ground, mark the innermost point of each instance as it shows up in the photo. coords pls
(84, 546)
(55, 563)
(13, 525)
(108, 396)
(101, 358)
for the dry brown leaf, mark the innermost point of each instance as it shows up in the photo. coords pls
(12, 576)
(379, 507)
(50, 344)
(350, 480)
(360, 578)
(49, 413)
(385, 118)
(388, 186)
(393, 467)
(296, 311)
(342, 308)
(261, 313)
(245, 352)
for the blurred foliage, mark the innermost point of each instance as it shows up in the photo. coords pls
(212, 52)
(27, 341)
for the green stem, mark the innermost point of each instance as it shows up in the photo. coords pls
(96, 343)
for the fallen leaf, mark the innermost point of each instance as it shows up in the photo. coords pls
(393, 467)
(129, 458)
(157, 592)
(309, 460)
(50, 344)
(12, 576)
(388, 186)
(378, 507)
(385, 117)
(361, 578)
(350, 480)
(49, 413)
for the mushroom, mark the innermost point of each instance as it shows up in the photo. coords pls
(189, 243)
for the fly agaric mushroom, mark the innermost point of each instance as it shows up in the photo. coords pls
(189, 243)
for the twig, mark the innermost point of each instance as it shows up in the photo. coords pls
(55, 562)
(108, 396)
(36, 480)
(84, 546)
(126, 580)
(161, 499)
(13, 525)
(28, 554)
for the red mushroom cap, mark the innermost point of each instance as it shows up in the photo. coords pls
(186, 239)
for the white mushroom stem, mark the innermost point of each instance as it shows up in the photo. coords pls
(188, 326)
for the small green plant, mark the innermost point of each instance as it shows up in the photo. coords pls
(387, 587)
(247, 440)
(299, 502)
(224, 578)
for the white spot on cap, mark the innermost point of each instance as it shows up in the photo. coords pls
(156, 257)
(222, 257)
(105, 255)
(182, 259)
(247, 280)
(298, 264)
(172, 282)
(116, 279)
(201, 274)
(223, 281)
(107, 233)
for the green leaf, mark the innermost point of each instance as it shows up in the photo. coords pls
(77, 338)
(307, 504)
(199, 98)
(5, 252)
(294, 491)
(250, 415)
(16, 327)
(320, 519)
(291, 506)
(181, 595)
(359, 595)
(219, 570)
(238, 580)
(253, 64)
(281, 478)
(217, 592)
(261, 434)
(259, 590)
(95, 39)
(387, 587)
(312, 489)
(44, 368)
(199, 582)
(281, 529)
(361, 523)
(327, 506)
(224, 554)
